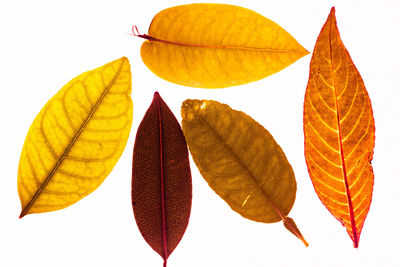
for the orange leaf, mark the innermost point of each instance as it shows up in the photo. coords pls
(339, 131)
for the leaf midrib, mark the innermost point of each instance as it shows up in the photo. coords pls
(154, 39)
(346, 183)
(162, 178)
(70, 145)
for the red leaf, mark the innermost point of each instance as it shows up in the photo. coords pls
(161, 179)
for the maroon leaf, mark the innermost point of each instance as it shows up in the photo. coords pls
(161, 179)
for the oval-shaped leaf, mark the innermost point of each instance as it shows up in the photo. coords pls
(241, 162)
(214, 46)
(161, 179)
(76, 139)
(339, 131)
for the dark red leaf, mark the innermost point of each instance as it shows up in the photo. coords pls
(161, 179)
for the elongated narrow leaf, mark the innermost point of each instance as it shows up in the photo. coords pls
(214, 46)
(241, 162)
(161, 179)
(77, 138)
(339, 132)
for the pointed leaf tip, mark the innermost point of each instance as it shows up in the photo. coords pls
(292, 227)
(333, 10)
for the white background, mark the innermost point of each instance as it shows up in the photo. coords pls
(44, 44)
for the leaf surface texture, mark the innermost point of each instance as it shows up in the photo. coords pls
(76, 139)
(241, 162)
(339, 131)
(161, 179)
(215, 45)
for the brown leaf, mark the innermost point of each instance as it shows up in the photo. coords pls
(241, 162)
(161, 179)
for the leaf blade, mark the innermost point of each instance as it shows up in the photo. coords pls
(240, 161)
(339, 131)
(51, 175)
(161, 179)
(236, 46)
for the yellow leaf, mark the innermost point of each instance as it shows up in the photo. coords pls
(241, 162)
(76, 139)
(214, 46)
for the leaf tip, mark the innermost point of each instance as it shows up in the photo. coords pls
(304, 242)
(124, 59)
(157, 98)
(333, 10)
(292, 227)
(356, 242)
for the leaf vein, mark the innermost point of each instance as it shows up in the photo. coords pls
(322, 139)
(351, 105)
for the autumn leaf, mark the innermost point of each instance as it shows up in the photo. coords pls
(241, 162)
(76, 139)
(339, 131)
(215, 45)
(161, 179)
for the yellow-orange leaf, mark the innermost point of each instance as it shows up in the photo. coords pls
(339, 131)
(214, 46)
(77, 138)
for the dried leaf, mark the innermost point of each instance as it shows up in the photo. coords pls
(339, 132)
(77, 138)
(241, 162)
(161, 179)
(215, 45)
